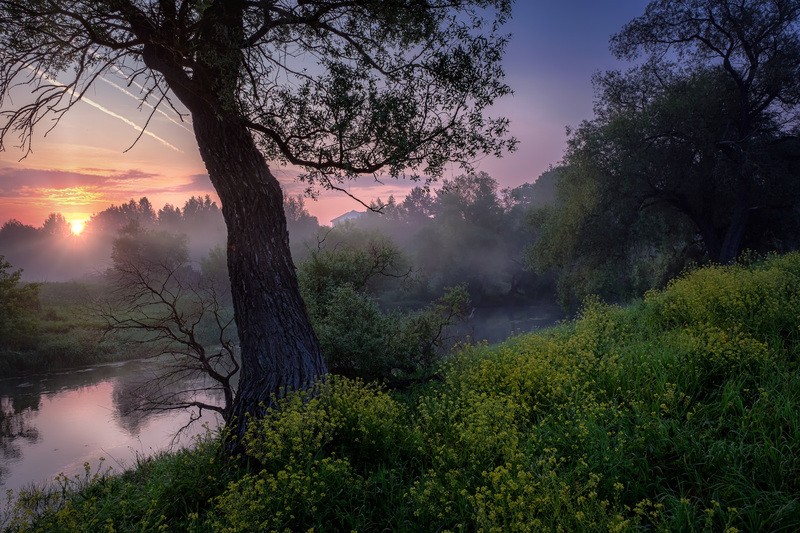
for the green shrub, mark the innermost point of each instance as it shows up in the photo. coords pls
(340, 288)
(681, 412)
(19, 305)
(320, 451)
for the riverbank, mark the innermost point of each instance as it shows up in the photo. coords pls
(69, 334)
(680, 412)
(54, 423)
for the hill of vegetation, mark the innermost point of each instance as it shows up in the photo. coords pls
(681, 411)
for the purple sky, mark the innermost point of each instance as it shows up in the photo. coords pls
(80, 167)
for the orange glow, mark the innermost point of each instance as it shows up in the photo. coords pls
(80, 195)
(77, 226)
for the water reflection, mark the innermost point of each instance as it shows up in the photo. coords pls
(54, 423)
(16, 429)
(495, 324)
(139, 396)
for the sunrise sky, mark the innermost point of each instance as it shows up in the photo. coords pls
(80, 168)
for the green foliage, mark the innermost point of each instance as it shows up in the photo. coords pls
(688, 159)
(645, 191)
(318, 450)
(67, 334)
(19, 304)
(165, 492)
(341, 286)
(365, 261)
(681, 412)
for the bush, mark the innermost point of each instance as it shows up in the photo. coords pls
(676, 413)
(360, 340)
(19, 304)
(321, 453)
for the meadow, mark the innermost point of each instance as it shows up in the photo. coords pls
(67, 332)
(678, 412)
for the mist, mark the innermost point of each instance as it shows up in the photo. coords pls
(466, 232)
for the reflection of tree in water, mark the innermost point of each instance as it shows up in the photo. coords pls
(15, 426)
(139, 397)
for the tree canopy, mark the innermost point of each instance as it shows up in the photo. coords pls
(755, 48)
(692, 155)
(340, 89)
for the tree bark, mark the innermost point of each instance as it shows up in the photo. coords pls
(732, 244)
(279, 350)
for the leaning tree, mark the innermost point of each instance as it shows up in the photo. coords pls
(338, 88)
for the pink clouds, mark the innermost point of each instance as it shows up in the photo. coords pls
(29, 194)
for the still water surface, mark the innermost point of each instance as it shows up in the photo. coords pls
(54, 423)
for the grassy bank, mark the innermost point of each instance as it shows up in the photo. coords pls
(68, 333)
(681, 412)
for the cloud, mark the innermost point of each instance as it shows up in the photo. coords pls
(197, 182)
(15, 182)
(92, 186)
(72, 196)
(24, 182)
(28, 194)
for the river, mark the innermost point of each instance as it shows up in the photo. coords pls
(495, 324)
(54, 423)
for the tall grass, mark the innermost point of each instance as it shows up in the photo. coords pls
(681, 412)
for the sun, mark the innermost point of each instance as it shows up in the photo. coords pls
(77, 226)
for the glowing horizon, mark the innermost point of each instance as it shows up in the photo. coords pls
(82, 166)
(77, 226)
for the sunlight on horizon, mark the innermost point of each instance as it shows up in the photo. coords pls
(77, 226)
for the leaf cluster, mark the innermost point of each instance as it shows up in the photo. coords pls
(19, 306)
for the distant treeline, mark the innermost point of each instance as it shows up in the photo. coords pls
(52, 253)
(581, 228)
(466, 232)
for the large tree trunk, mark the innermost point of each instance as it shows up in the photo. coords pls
(280, 352)
(732, 245)
(734, 235)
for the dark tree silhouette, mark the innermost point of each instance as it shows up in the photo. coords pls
(159, 301)
(756, 45)
(340, 88)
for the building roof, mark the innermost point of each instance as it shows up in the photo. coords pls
(350, 215)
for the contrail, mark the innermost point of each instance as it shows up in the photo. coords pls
(129, 123)
(146, 103)
(108, 112)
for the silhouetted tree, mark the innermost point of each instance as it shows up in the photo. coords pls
(20, 243)
(170, 218)
(337, 88)
(159, 302)
(56, 226)
(755, 47)
(110, 220)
